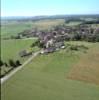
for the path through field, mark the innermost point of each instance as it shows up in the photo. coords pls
(19, 68)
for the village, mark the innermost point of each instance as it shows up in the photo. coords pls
(53, 39)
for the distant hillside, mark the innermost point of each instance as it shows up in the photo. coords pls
(47, 17)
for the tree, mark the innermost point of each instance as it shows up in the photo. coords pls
(1, 63)
(77, 37)
(97, 37)
(12, 63)
(36, 43)
(6, 65)
(18, 63)
(41, 45)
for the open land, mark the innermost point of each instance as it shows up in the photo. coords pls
(71, 73)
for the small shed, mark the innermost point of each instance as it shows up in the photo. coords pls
(24, 53)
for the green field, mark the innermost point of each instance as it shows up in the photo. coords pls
(45, 78)
(13, 28)
(10, 50)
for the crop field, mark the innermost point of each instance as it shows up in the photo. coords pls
(47, 24)
(87, 69)
(47, 77)
(15, 27)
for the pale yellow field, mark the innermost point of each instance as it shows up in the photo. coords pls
(47, 24)
(87, 69)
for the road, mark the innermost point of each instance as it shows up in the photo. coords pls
(18, 68)
(28, 38)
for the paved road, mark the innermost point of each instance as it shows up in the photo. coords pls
(18, 68)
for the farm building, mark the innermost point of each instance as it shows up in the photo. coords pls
(24, 53)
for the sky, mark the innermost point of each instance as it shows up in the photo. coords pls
(48, 7)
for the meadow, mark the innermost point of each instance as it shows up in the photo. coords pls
(10, 49)
(13, 47)
(13, 28)
(47, 77)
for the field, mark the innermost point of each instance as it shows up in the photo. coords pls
(46, 77)
(10, 50)
(73, 23)
(15, 27)
(87, 69)
(13, 47)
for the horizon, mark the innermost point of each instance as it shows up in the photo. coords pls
(54, 15)
(32, 8)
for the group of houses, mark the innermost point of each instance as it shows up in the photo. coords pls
(52, 42)
(54, 39)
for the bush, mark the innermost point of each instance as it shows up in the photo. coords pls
(97, 38)
(91, 38)
(35, 43)
(38, 43)
(72, 47)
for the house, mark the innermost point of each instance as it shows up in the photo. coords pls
(49, 50)
(50, 43)
(59, 45)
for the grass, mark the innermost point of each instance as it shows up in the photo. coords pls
(10, 50)
(45, 79)
(13, 28)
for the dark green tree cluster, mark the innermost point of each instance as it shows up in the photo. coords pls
(11, 63)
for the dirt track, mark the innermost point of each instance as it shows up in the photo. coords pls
(18, 68)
